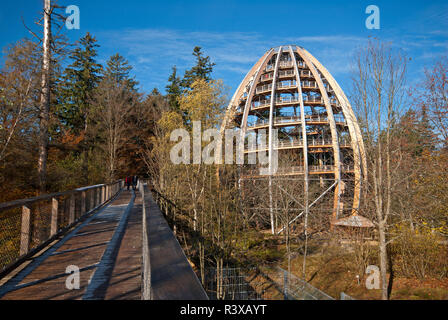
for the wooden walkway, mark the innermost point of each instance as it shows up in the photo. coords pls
(107, 249)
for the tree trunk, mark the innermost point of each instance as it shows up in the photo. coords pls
(383, 260)
(44, 114)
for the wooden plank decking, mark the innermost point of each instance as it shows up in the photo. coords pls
(107, 249)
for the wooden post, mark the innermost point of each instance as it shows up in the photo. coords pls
(54, 217)
(25, 231)
(83, 203)
(103, 194)
(285, 285)
(91, 199)
(71, 216)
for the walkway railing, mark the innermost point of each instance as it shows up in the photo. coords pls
(295, 118)
(146, 265)
(289, 84)
(292, 170)
(297, 143)
(28, 225)
(295, 288)
(166, 274)
(286, 64)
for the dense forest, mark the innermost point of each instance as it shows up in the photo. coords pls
(94, 125)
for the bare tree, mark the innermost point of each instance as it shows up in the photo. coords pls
(379, 82)
(434, 98)
(44, 114)
(51, 44)
(112, 106)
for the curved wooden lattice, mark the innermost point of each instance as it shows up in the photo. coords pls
(289, 90)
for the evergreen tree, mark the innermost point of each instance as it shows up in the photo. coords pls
(80, 79)
(202, 69)
(416, 133)
(118, 71)
(155, 92)
(173, 90)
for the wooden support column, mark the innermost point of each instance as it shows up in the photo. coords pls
(54, 216)
(333, 129)
(304, 138)
(360, 162)
(271, 137)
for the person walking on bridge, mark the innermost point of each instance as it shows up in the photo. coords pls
(128, 181)
(134, 182)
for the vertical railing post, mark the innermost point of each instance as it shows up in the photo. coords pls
(54, 216)
(25, 231)
(146, 272)
(285, 285)
(91, 199)
(71, 213)
(83, 203)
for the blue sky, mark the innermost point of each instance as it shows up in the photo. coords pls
(155, 35)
